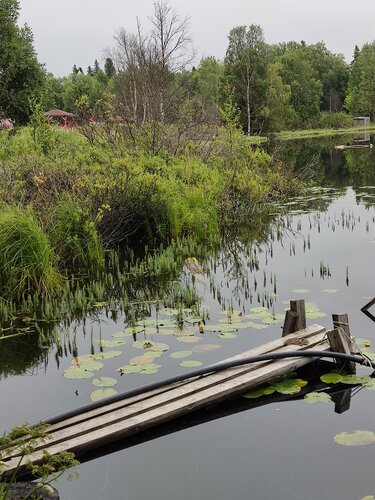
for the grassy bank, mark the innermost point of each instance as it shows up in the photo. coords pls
(289, 135)
(84, 199)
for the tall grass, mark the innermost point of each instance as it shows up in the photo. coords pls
(28, 263)
(74, 236)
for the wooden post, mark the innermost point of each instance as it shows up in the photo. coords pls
(340, 340)
(298, 306)
(342, 401)
(290, 323)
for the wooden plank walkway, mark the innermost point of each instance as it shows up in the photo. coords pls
(100, 426)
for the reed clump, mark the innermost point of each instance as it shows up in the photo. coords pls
(28, 263)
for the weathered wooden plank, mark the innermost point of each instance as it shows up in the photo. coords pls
(172, 409)
(262, 349)
(157, 400)
(185, 398)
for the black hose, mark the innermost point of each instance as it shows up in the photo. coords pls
(210, 369)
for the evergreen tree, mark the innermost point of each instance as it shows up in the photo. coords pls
(109, 68)
(21, 76)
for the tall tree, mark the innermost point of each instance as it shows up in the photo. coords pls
(109, 68)
(361, 94)
(245, 68)
(21, 76)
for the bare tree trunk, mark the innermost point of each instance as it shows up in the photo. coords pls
(248, 100)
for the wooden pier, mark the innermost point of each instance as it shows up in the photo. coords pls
(94, 428)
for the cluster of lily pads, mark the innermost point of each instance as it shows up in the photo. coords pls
(185, 325)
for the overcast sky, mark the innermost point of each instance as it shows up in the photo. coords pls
(68, 32)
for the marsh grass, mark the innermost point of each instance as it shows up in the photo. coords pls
(27, 261)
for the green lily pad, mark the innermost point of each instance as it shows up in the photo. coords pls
(107, 355)
(355, 379)
(127, 369)
(102, 394)
(77, 373)
(274, 319)
(193, 319)
(301, 290)
(369, 384)
(317, 397)
(259, 310)
(91, 366)
(202, 348)
(262, 391)
(104, 382)
(167, 311)
(369, 354)
(191, 364)
(290, 386)
(141, 360)
(188, 339)
(332, 378)
(221, 328)
(132, 330)
(227, 336)
(357, 438)
(181, 354)
(245, 324)
(111, 343)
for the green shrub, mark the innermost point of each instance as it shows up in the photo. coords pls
(74, 235)
(27, 262)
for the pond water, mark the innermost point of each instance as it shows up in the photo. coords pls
(322, 250)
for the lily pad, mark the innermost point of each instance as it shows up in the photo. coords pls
(332, 378)
(245, 324)
(357, 438)
(111, 343)
(132, 330)
(104, 382)
(167, 311)
(107, 355)
(227, 336)
(317, 397)
(181, 354)
(91, 366)
(330, 290)
(274, 319)
(193, 319)
(188, 339)
(262, 391)
(127, 369)
(355, 379)
(290, 386)
(191, 364)
(259, 310)
(77, 373)
(102, 394)
(219, 328)
(301, 290)
(205, 348)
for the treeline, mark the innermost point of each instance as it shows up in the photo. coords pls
(149, 77)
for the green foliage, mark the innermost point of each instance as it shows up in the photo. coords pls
(74, 235)
(23, 441)
(27, 261)
(361, 93)
(21, 76)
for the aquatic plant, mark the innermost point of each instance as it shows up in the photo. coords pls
(74, 236)
(27, 261)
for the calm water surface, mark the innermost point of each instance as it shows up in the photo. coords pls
(322, 250)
